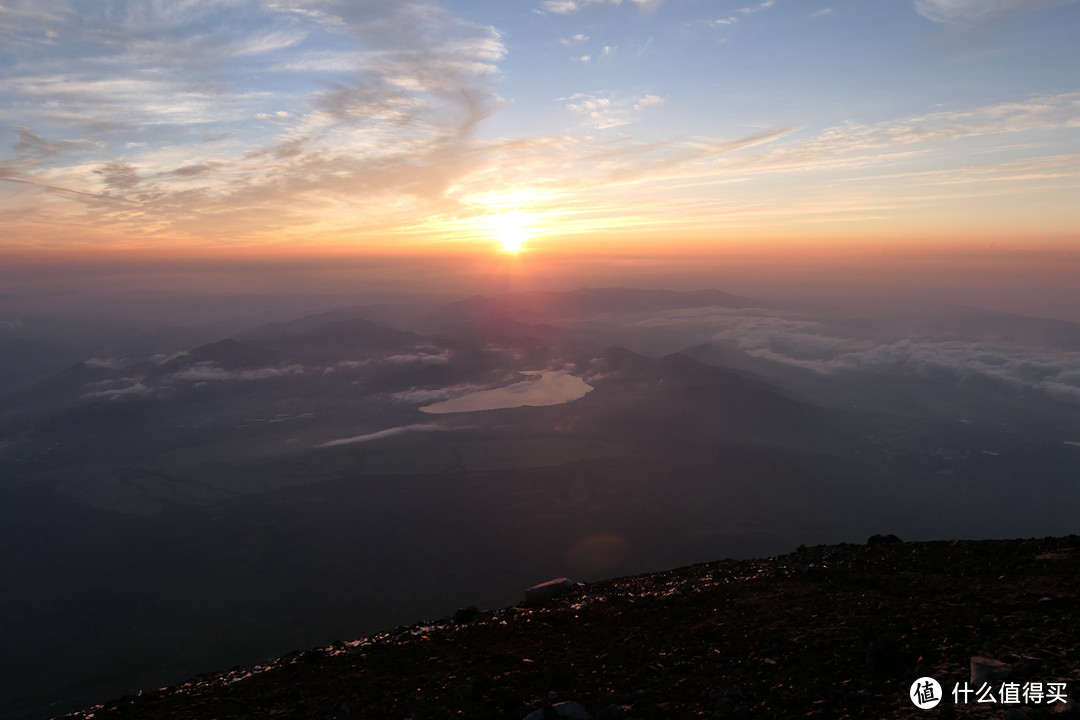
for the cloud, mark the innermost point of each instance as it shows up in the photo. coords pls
(424, 396)
(108, 363)
(840, 143)
(135, 114)
(757, 8)
(422, 359)
(135, 388)
(601, 111)
(560, 7)
(814, 345)
(119, 175)
(326, 121)
(648, 101)
(389, 432)
(209, 372)
(830, 347)
(970, 12)
(569, 7)
(592, 182)
(608, 111)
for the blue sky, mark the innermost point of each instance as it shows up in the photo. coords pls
(390, 126)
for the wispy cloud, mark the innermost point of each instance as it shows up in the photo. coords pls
(734, 17)
(970, 12)
(148, 116)
(843, 141)
(569, 7)
(751, 9)
(125, 387)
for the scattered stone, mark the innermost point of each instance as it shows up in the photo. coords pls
(463, 691)
(1016, 714)
(985, 670)
(613, 712)
(549, 589)
(876, 540)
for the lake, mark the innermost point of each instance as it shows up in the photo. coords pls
(545, 388)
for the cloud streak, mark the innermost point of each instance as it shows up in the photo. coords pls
(571, 7)
(971, 12)
(389, 432)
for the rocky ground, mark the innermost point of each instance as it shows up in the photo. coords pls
(839, 631)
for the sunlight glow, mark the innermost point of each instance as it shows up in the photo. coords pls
(511, 230)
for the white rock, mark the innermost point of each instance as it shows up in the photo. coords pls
(549, 589)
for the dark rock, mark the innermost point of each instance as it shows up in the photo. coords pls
(876, 540)
(884, 658)
(1067, 709)
(615, 655)
(570, 710)
(549, 589)
(985, 670)
(466, 614)
(613, 712)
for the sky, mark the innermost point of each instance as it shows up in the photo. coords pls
(608, 128)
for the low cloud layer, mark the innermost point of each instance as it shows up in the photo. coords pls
(209, 372)
(831, 346)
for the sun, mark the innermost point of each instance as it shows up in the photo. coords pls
(511, 230)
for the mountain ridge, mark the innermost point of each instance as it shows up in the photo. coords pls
(826, 631)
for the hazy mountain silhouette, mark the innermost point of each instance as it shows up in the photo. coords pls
(354, 337)
(546, 307)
